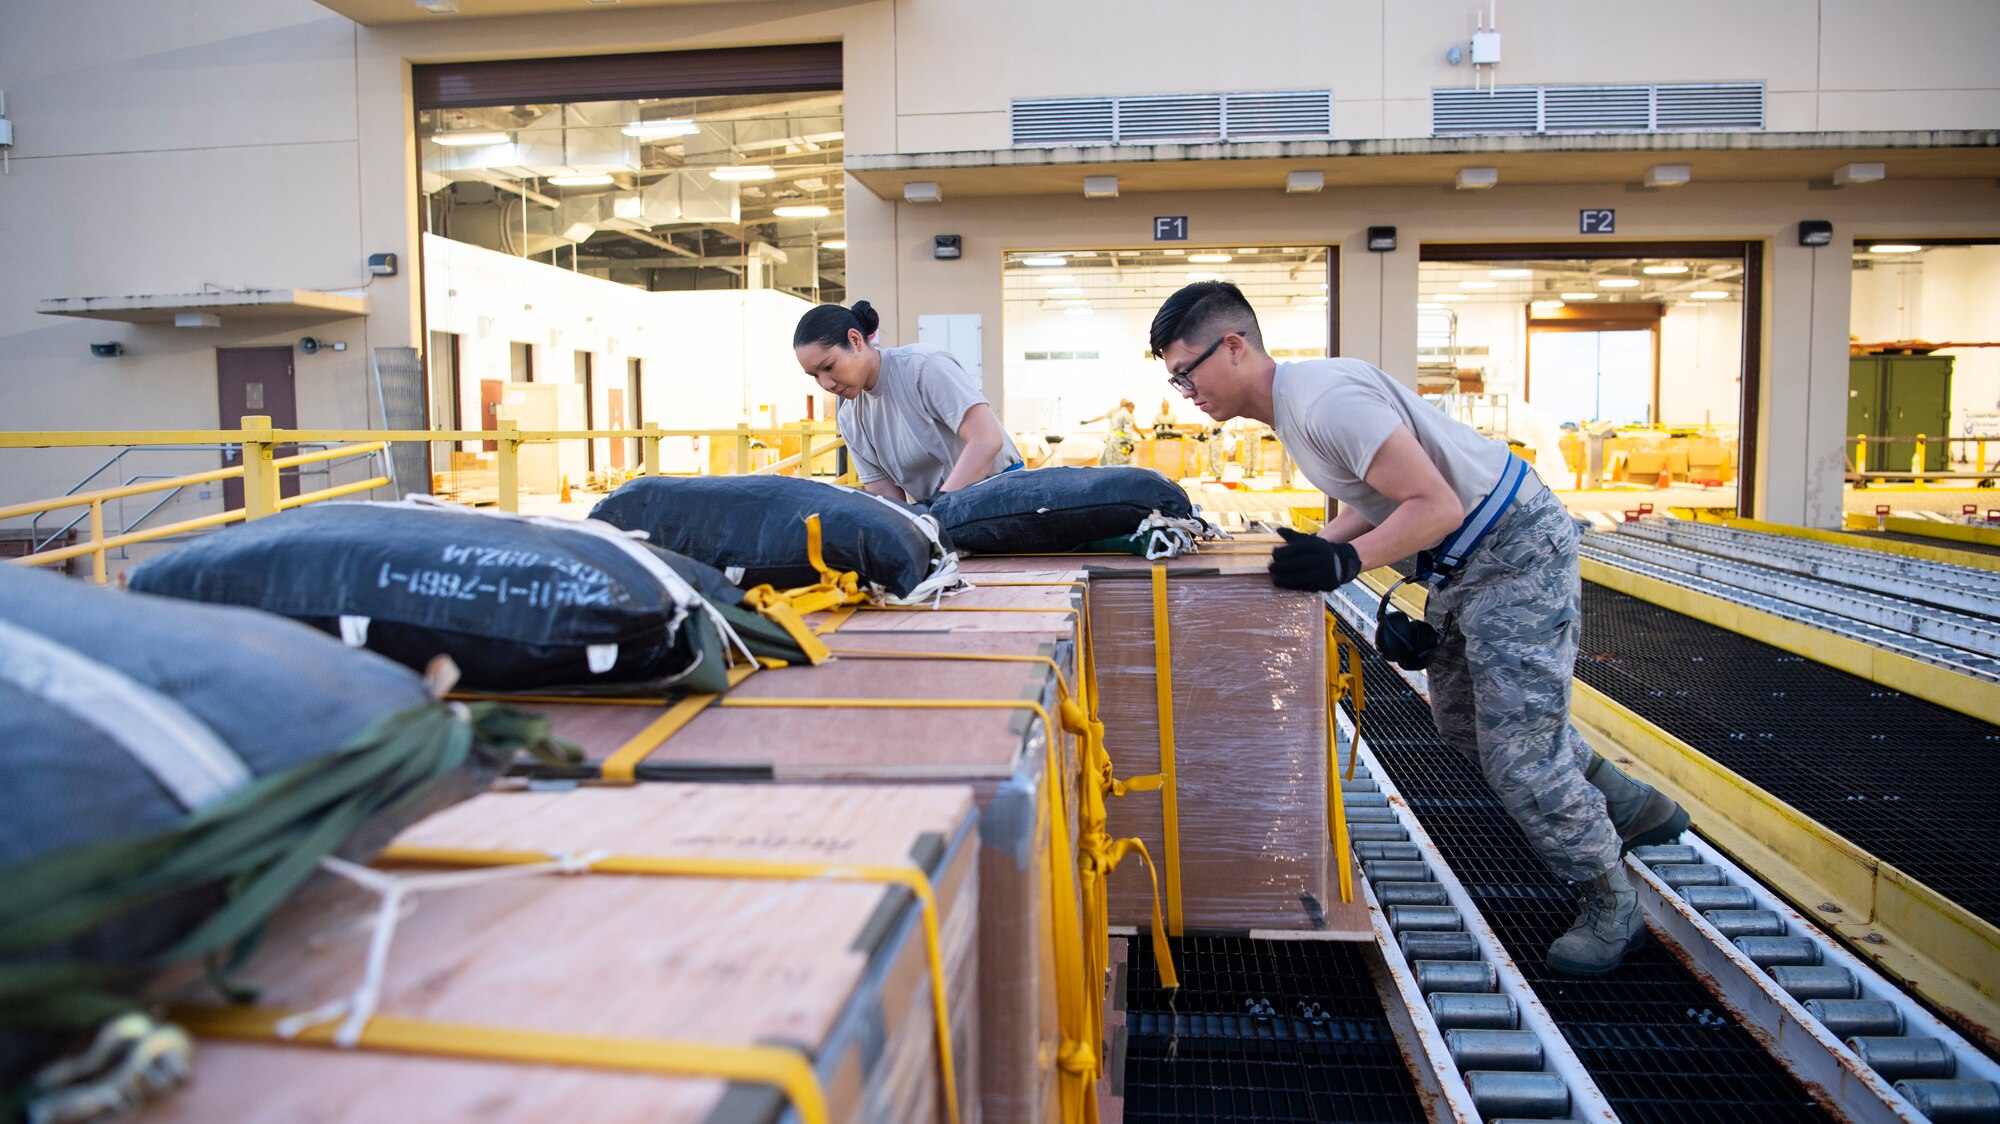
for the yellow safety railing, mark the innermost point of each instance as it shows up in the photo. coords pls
(262, 467)
(1860, 460)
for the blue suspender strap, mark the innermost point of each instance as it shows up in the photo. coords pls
(1441, 564)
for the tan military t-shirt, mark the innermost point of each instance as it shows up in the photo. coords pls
(906, 429)
(1334, 414)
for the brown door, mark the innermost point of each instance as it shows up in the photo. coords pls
(251, 381)
(489, 407)
(614, 418)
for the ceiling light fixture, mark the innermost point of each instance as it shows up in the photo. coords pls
(1860, 173)
(836, 244)
(597, 180)
(1477, 179)
(667, 127)
(1667, 175)
(801, 211)
(1579, 296)
(1894, 248)
(1665, 270)
(1479, 284)
(923, 191)
(438, 7)
(1304, 183)
(743, 173)
(1100, 187)
(1710, 295)
(1049, 261)
(1510, 274)
(1545, 306)
(469, 139)
(1618, 283)
(1210, 259)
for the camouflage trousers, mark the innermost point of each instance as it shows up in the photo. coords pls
(1500, 683)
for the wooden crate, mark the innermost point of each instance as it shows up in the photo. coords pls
(840, 970)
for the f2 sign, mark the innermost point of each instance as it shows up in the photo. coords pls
(1592, 221)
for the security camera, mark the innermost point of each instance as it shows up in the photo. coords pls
(107, 350)
(309, 345)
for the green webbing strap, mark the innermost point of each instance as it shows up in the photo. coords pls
(259, 843)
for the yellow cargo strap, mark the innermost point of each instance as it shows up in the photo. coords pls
(781, 1067)
(909, 878)
(1099, 852)
(788, 608)
(1164, 781)
(1340, 681)
(622, 767)
(1079, 1007)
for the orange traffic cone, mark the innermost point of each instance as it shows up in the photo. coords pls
(565, 490)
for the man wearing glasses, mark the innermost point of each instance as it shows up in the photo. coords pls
(1498, 551)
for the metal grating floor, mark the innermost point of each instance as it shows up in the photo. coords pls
(1262, 1031)
(1658, 1044)
(1912, 783)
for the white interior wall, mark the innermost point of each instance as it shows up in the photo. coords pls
(710, 359)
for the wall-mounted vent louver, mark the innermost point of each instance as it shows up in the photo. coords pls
(1677, 107)
(1172, 117)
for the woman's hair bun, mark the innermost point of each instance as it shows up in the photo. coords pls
(865, 314)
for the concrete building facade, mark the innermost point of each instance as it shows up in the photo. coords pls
(164, 151)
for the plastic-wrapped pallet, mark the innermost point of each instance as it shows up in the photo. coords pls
(1000, 749)
(1249, 735)
(829, 971)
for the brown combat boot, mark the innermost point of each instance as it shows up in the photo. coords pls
(1642, 814)
(1610, 925)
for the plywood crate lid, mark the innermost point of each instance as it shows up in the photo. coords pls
(722, 961)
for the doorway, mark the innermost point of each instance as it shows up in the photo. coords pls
(249, 382)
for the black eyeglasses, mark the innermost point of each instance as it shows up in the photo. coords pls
(1183, 379)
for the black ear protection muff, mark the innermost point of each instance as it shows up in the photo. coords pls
(1403, 641)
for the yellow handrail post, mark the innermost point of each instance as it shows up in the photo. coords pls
(649, 450)
(97, 572)
(1982, 454)
(1919, 461)
(260, 476)
(507, 458)
(1860, 454)
(742, 448)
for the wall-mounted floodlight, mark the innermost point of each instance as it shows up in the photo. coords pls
(1381, 239)
(947, 247)
(1304, 183)
(1815, 232)
(923, 191)
(1477, 179)
(1667, 175)
(1100, 187)
(1860, 173)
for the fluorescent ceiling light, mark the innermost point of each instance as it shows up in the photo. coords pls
(667, 127)
(438, 7)
(1175, 253)
(1479, 284)
(1209, 259)
(1066, 292)
(1448, 296)
(1079, 312)
(599, 180)
(1048, 262)
(1618, 283)
(1579, 296)
(836, 244)
(457, 140)
(1248, 250)
(743, 172)
(1664, 270)
(1710, 295)
(1893, 248)
(801, 211)
(1510, 274)
(1545, 306)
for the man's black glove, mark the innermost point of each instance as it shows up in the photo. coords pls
(1312, 564)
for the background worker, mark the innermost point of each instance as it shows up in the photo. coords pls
(1163, 422)
(1123, 439)
(1498, 550)
(916, 423)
